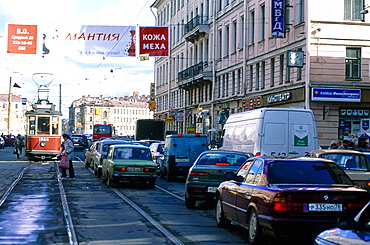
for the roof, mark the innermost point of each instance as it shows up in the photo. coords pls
(129, 146)
(343, 151)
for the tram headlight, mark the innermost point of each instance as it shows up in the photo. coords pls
(42, 144)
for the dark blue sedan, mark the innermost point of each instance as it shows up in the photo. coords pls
(349, 231)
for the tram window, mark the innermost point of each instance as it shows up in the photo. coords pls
(54, 129)
(32, 127)
(43, 125)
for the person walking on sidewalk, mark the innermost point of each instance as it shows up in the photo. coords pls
(18, 146)
(69, 151)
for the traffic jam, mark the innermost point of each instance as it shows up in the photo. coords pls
(274, 187)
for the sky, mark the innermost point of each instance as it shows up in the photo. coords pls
(77, 75)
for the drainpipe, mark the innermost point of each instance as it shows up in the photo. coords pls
(308, 42)
(213, 123)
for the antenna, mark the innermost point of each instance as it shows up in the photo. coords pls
(42, 81)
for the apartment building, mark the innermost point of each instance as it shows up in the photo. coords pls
(18, 107)
(229, 56)
(121, 112)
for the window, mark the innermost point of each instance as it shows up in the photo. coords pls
(241, 36)
(227, 41)
(220, 44)
(263, 20)
(299, 12)
(353, 63)
(272, 72)
(250, 77)
(257, 76)
(281, 74)
(43, 124)
(352, 9)
(251, 28)
(234, 36)
(263, 67)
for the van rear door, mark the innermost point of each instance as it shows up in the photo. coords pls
(303, 135)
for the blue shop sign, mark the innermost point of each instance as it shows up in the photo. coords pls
(338, 95)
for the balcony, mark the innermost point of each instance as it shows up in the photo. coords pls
(195, 76)
(196, 28)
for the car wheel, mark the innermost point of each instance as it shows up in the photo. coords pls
(190, 202)
(103, 179)
(110, 182)
(162, 174)
(254, 229)
(99, 173)
(151, 183)
(220, 217)
(169, 176)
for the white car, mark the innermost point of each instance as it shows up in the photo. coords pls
(2, 143)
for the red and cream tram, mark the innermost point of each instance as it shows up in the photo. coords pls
(44, 128)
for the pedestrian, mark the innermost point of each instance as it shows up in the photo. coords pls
(69, 151)
(333, 145)
(339, 143)
(345, 145)
(18, 146)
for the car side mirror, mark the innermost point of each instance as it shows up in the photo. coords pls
(230, 175)
(346, 223)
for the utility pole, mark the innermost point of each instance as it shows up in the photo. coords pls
(9, 103)
(60, 98)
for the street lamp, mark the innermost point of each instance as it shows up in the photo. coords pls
(10, 98)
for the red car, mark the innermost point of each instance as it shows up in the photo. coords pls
(286, 197)
(9, 140)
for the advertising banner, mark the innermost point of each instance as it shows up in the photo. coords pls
(154, 41)
(112, 41)
(22, 39)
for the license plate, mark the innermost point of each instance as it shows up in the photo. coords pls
(132, 169)
(212, 189)
(325, 207)
(183, 160)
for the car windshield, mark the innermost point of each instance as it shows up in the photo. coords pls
(300, 172)
(221, 158)
(347, 161)
(132, 153)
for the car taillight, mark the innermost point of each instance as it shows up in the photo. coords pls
(280, 204)
(198, 174)
(258, 154)
(149, 169)
(368, 184)
(120, 169)
(355, 205)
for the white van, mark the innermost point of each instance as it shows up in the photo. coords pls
(271, 132)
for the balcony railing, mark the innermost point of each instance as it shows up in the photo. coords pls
(196, 21)
(191, 71)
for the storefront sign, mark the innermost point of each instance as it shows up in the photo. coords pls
(339, 95)
(279, 97)
(170, 120)
(365, 124)
(180, 116)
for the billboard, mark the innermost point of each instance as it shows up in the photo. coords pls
(22, 39)
(154, 41)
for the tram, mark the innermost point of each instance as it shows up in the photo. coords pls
(43, 132)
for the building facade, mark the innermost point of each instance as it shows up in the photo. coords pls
(228, 56)
(17, 124)
(122, 113)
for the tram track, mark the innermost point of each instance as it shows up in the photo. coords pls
(89, 212)
(147, 216)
